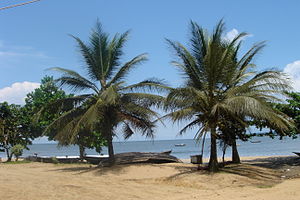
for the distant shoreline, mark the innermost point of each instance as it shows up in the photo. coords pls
(243, 159)
(206, 159)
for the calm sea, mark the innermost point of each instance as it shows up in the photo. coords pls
(266, 147)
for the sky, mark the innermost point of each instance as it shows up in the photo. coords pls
(36, 36)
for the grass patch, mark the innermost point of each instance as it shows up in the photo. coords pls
(75, 163)
(17, 162)
(264, 186)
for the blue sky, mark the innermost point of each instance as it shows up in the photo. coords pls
(35, 37)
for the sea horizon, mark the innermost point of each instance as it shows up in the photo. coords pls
(264, 146)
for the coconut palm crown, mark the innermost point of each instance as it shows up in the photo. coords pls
(220, 86)
(109, 102)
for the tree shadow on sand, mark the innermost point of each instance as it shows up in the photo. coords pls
(78, 169)
(276, 162)
(253, 172)
(288, 166)
(244, 174)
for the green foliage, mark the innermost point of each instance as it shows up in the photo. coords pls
(17, 150)
(54, 160)
(17, 162)
(292, 110)
(92, 140)
(110, 102)
(221, 87)
(13, 130)
(41, 97)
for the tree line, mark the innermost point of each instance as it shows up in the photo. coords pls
(222, 95)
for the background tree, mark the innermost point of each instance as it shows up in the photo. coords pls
(218, 84)
(17, 151)
(13, 131)
(47, 93)
(230, 131)
(291, 108)
(39, 103)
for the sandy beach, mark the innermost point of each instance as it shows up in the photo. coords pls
(264, 178)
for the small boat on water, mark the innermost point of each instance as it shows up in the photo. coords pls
(258, 141)
(180, 145)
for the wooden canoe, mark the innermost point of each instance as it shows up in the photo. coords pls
(297, 153)
(142, 157)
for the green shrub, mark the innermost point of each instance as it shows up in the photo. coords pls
(54, 160)
(17, 150)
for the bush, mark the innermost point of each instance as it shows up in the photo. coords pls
(17, 150)
(54, 160)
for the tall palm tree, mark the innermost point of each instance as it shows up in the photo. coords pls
(219, 85)
(109, 101)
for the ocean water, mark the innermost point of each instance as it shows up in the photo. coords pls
(267, 147)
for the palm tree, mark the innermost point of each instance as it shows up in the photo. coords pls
(219, 86)
(231, 130)
(109, 101)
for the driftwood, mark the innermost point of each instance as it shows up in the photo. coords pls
(141, 157)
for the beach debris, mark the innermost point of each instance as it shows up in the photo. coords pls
(196, 159)
(143, 157)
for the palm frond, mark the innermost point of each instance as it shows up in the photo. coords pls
(145, 126)
(73, 80)
(127, 131)
(123, 71)
(191, 125)
(66, 118)
(144, 99)
(92, 66)
(153, 84)
(114, 54)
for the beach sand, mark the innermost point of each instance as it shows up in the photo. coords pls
(256, 179)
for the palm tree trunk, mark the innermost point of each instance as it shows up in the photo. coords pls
(213, 165)
(9, 155)
(235, 153)
(110, 149)
(223, 156)
(81, 152)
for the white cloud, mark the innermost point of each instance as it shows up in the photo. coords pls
(293, 70)
(16, 93)
(15, 54)
(230, 35)
(12, 51)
